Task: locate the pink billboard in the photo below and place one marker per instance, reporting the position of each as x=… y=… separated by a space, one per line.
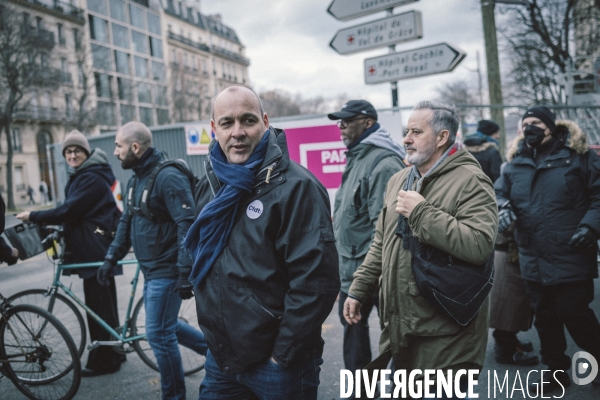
x=320 y=150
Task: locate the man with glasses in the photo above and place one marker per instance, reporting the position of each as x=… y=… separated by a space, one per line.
x=372 y=158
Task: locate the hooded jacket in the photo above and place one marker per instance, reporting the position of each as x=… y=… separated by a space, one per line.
x=458 y=216
x=156 y=243
x=359 y=199
x=551 y=201
x=89 y=205
x=275 y=282
x=486 y=153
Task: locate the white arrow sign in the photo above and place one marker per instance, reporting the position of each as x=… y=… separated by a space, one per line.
x=428 y=60
x=348 y=9
x=383 y=32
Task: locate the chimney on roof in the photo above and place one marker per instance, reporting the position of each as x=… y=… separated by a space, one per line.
x=216 y=17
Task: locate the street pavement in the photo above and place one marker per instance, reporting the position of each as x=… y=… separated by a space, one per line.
x=135 y=380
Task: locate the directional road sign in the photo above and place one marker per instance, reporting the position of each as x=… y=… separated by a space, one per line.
x=383 y=32
x=348 y=9
x=408 y=64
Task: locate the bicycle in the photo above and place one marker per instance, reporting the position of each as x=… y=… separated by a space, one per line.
x=37 y=353
x=131 y=336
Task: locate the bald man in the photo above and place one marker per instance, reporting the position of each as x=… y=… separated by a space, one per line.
x=265 y=269
x=155 y=240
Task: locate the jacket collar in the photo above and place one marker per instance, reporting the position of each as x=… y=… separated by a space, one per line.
x=147 y=162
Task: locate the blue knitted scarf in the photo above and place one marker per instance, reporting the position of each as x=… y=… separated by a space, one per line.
x=209 y=234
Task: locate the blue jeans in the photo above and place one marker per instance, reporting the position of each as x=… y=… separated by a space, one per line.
x=164 y=332
x=266 y=381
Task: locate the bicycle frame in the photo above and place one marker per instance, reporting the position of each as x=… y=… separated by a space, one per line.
x=122 y=337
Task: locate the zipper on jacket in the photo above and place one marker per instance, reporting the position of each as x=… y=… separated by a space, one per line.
x=269 y=171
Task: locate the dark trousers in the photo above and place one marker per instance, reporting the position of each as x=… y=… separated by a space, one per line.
x=560 y=306
x=357 y=343
x=103 y=301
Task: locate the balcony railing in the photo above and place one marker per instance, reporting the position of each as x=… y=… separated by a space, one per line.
x=40 y=38
x=43 y=114
x=189 y=42
x=59 y=7
x=230 y=55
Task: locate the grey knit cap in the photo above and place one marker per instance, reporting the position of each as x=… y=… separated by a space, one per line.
x=76 y=138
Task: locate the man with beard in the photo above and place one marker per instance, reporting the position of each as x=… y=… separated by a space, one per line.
x=448 y=203
x=551 y=189
x=156 y=243
x=265 y=270
x=371 y=160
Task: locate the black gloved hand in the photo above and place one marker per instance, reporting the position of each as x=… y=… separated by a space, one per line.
x=104 y=272
x=583 y=238
x=184 y=287
x=505 y=217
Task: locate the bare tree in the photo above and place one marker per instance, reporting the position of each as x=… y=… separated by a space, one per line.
x=86 y=112
x=279 y=103
x=461 y=94
x=24 y=54
x=538 y=41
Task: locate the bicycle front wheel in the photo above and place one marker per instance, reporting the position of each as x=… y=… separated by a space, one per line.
x=41 y=357
x=191 y=360
x=61 y=307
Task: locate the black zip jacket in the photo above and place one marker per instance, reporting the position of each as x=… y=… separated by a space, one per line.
x=275 y=282
x=156 y=242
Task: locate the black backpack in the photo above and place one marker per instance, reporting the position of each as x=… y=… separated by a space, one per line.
x=143 y=208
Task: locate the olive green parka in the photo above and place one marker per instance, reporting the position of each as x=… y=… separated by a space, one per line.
x=459 y=216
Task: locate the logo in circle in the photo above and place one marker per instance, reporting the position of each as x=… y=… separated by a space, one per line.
x=255 y=209
x=590 y=365
x=193 y=136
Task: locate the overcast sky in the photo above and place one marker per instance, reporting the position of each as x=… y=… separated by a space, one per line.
x=287 y=42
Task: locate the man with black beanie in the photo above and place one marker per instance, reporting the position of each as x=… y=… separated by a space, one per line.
x=551 y=188
x=483 y=145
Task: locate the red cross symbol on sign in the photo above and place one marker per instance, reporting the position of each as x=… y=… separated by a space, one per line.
x=372 y=70
x=350 y=39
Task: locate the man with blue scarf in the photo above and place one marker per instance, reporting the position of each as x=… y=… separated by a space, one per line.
x=265 y=266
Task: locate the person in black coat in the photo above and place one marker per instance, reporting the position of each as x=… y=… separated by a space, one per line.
x=551 y=189
x=483 y=145
x=8 y=254
x=89 y=216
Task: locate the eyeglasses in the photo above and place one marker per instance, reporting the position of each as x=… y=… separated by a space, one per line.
x=77 y=152
x=343 y=123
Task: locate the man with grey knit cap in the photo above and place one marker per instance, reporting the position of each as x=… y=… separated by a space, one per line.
x=371 y=160
x=89 y=216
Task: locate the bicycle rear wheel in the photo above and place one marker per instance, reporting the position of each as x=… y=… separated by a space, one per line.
x=43 y=362
x=191 y=360
x=61 y=307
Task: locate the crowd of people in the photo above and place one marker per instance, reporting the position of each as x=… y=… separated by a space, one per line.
x=254 y=243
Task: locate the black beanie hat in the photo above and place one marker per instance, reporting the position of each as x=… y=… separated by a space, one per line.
x=487 y=127
x=543 y=114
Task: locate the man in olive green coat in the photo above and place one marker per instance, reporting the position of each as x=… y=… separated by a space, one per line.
x=371 y=160
x=451 y=207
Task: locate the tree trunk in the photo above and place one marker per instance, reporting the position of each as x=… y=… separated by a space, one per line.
x=10 y=195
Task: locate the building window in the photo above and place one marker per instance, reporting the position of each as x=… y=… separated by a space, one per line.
x=118 y=10
x=160 y=94
x=127 y=114
x=173 y=57
x=141 y=67
x=103 y=85
x=65 y=76
x=158 y=71
x=98 y=6
x=17 y=141
x=18 y=178
x=137 y=16
x=147 y=116
x=102 y=57
x=125 y=89
x=120 y=36
x=156 y=47
x=98 y=29
x=185 y=60
x=68 y=108
x=80 y=74
x=39 y=23
x=76 y=39
x=26 y=22
x=153 y=23
x=106 y=113
x=144 y=93
x=122 y=62
x=139 y=42
x=61 y=35
x=162 y=116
